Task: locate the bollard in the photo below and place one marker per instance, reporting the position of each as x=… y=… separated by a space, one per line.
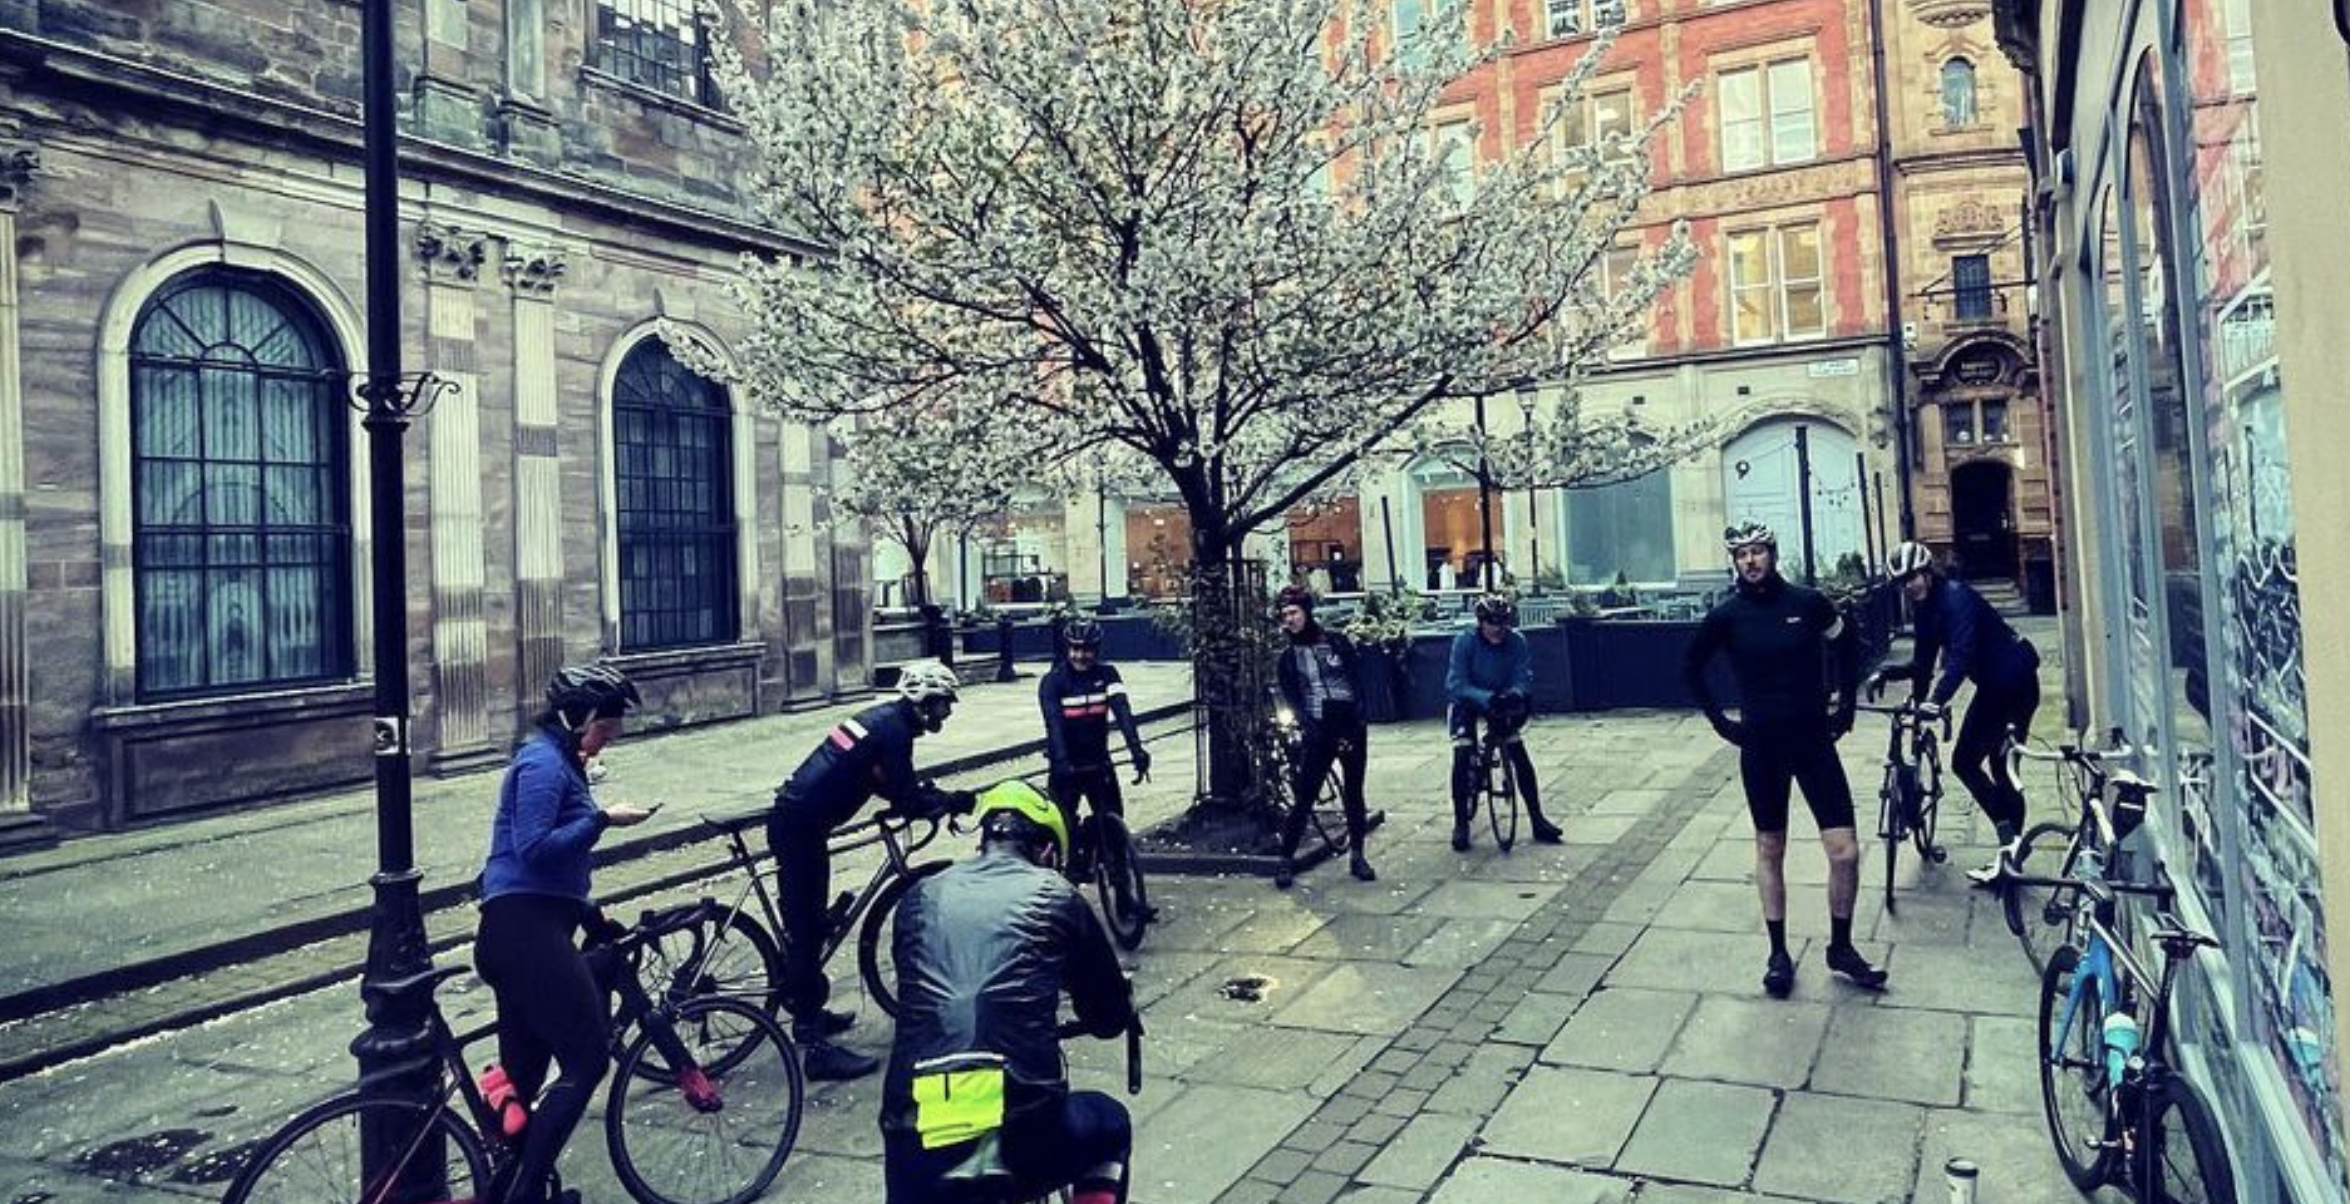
x=1960 y=1174
x=1003 y=652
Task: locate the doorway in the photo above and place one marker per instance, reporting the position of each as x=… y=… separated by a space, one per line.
x=1982 y=520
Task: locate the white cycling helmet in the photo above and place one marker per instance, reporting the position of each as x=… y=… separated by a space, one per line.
x=1906 y=558
x=924 y=680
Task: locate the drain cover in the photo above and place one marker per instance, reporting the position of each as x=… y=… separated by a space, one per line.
x=1247 y=988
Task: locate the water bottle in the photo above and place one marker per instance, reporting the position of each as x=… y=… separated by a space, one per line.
x=498 y=1091
x=2121 y=1044
x=1960 y=1175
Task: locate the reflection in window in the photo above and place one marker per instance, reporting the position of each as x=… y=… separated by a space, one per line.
x=1958 y=424
x=1766 y=115
x=1621 y=531
x=1776 y=285
x=1994 y=422
x=1958 y=93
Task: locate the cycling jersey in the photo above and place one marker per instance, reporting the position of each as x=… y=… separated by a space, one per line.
x=869 y=753
x=1079 y=706
x=1777 y=635
x=1955 y=624
x=1318 y=669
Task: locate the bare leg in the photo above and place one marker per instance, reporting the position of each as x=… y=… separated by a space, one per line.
x=1843 y=848
x=1770 y=875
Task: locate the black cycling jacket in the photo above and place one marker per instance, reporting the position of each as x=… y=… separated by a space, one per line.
x=869 y=753
x=1079 y=706
x=984 y=952
x=1955 y=625
x=1779 y=637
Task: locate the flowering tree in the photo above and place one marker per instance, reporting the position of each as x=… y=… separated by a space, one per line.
x=918 y=473
x=1227 y=240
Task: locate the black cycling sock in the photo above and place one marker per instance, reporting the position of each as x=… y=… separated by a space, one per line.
x=1840 y=931
x=1778 y=937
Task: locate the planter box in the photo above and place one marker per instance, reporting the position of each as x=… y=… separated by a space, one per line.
x=1635 y=663
x=1383 y=684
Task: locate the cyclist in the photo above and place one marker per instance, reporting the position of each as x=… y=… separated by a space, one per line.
x=869 y=753
x=1491 y=677
x=1778 y=636
x=1080 y=698
x=985 y=950
x=534 y=901
x=1322 y=689
x=1954 y=624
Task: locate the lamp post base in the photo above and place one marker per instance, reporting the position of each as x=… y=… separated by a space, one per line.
x=395 y=1052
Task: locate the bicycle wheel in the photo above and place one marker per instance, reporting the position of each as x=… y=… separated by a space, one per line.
x=2181 y=1157
x=1926 y=813
x=875 y=937
x=1501 y=806
x=1892 y=827
x=2041 y=917
x=1117 y=879
x=726 y=1147
x=316 y=1158
x=1331 y=803
x=735 y=958
x=2073 y=1089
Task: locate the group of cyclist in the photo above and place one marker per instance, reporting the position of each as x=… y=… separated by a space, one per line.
x=985 y=949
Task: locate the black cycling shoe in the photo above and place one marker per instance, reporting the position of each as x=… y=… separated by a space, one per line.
x=833 y=1024
x=1546 y=832
x=1779 y=976
x=1460 y=836
x=1360 y=867
x=826 y=1062
x=1847 y=961
x=1287 y=874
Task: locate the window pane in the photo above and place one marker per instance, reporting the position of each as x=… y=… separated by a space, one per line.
x=1994 y=422
x=1799 y=266
x=1621 y=531
x=1958 y=92
x=1611 y=114
x=1565 y=17
x=1752 y=315
x=1742 y=119
x=657 y=44
x=1793 y=138
x=1970 y=280
x=1958 y=424
x=674 y=483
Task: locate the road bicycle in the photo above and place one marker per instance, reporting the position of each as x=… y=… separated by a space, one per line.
x=1326 y=811
x=1495 y=777
x=1909 y=799
x=703 y=1108
x=2088 y=846
x=736 y=955
x=1102 y=851
x=2119 y=1112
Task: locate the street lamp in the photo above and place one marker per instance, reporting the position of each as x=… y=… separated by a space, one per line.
x=396 y=986
x=1484 y=499
x=1525 y=388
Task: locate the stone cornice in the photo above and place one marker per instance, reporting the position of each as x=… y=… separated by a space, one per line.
x=108 y=82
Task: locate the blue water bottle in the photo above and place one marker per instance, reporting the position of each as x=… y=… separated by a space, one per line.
x=2121 y=1043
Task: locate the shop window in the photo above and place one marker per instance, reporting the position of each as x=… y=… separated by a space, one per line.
x=240 y=515
x=1158 y=551
x=657 y=44
x=673 y=477
x=1622 y=531
x=1958 y=93
x=1970 y=282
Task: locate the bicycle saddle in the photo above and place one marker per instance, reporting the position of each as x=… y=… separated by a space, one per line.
x=2178 y=940
x=981 y=1175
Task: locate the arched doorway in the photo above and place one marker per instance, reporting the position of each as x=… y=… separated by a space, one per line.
x=1982 y=520
x=1762 y=482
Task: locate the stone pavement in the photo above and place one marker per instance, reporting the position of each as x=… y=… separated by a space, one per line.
x=1579 y=1023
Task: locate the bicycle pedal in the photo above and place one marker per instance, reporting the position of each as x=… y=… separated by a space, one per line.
x=1937 y=854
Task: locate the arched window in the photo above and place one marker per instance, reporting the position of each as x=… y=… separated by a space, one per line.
x=1450 y=526
x=240 y=536
x=1958 y=93
x=1621 y=530
x=674 y=481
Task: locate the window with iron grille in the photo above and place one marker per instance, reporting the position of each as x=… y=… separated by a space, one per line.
x=673 y=473
x=240 y=516
x=1970 y=280
x=658 y=44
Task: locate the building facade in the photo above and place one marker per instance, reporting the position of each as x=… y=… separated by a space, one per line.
x=184 y=530
x=1981 y=489
x=2190 y=158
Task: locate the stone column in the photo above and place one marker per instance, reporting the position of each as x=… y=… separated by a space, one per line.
x=17 y=162
x=531 y=274
x=807 y=611
x=525 y=127
x=451 y=261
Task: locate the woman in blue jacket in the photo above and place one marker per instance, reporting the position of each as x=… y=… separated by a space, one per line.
x=1491 y=677
x=534 y=900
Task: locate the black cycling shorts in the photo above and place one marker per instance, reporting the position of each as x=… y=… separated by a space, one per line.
x=1773 y=760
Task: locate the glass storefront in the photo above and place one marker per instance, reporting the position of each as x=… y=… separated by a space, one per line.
x=1452 y=534
x=1024 y=556
x=1158 y=550
x=1326 y=545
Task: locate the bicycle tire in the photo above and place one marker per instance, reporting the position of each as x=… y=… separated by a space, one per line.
x=1332 y=801
x=1114 y=865
x=1929 y=814
x=759 y=1080
x=2035 y=917
x=1890 y=828
x=1500 y=802
x=2072 y=1073
x=874 y=935
x=285 y=1168
x=2182 y=1125
x=742 y=962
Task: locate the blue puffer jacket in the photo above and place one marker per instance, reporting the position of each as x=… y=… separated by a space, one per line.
x=1480 y=670
x=547 y=823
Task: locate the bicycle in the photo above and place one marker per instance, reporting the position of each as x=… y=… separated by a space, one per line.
x=2118 y=1112
x=1326 y=811
x=703 y=1108
x=1102 y=849
x=1909 y=800
x=2089 y=846
x=736 y=954
x=1496 y=777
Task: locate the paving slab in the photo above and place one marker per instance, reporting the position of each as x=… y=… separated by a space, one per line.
x=1366 y=937
x=1574 y=1116
x=1204 y=1139
x=1367 y=998
x=1721 y=963
x=1850 y=1151
x=1627 y=1029
x=1489 y=1180
x=1284 y=1059
x=1607 y=938
x=1481 y=1083
x=1769 y=1042
x=1537 y=1018
x=1955 y=978
x=1461 y=943
x=1485 y=900
x=1576 y=974
x=2003 y=1065
x=1698 y=1132
x=1894 y=1054
x=1422 y=1152
x=2012 y=1154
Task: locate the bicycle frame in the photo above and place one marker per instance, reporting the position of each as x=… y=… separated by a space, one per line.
x=886 y=829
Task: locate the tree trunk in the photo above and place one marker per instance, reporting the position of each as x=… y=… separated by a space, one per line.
x=917 y=545
x=1230 y=667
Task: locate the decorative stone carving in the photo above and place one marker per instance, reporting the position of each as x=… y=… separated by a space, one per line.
x=450 y=255
x=1970 y=216
x=1950 y=14
x=534 y=270
x=19 y=163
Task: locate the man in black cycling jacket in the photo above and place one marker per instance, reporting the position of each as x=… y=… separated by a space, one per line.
x=984 y=951
x=1080 y=697
x=869 y=753
x=1779 y=637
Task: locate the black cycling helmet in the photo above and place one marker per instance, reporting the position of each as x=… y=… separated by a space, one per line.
x=580 y=693
x=1081 y=632
x=1294 y=595
x=1497 y=608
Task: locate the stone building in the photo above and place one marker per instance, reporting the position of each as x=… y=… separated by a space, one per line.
x=1982 y=491
x=184 y=535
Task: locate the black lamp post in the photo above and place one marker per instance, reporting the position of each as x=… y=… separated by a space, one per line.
x=1484 y=499
x=396 y=987
x=1526 y=388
